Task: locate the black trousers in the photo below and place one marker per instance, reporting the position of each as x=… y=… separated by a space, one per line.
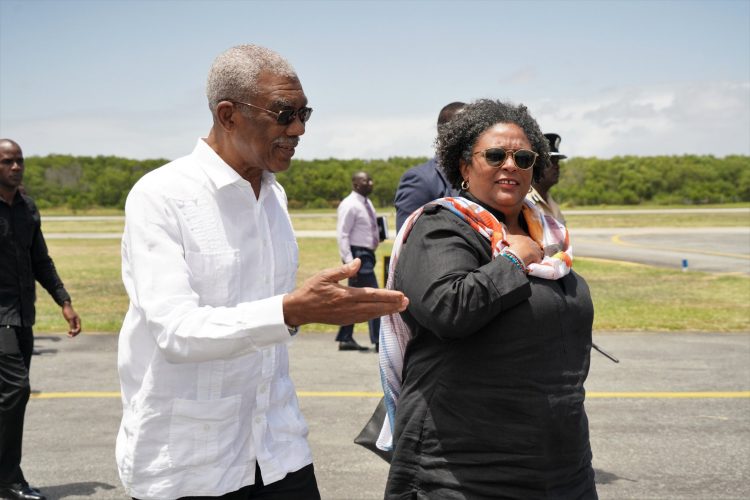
x=16 y=347
x=298 y=485
x=365 y=278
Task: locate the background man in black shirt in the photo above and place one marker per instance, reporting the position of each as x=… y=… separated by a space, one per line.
x=23 y=260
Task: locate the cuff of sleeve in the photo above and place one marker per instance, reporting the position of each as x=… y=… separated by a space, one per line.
x=267 y=316
x=512 y=284
x=61 y=296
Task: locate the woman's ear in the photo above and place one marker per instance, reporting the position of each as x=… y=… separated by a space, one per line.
x=463 y=167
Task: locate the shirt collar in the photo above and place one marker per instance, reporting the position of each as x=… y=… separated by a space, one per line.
x=219 y=171
x=17 y=198
x=535 y=196
x=361 y=198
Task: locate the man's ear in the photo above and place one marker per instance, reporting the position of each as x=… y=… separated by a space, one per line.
x=225 y=115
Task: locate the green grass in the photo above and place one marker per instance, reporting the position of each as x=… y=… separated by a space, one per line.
x=91 y=226
x=90 y=270
x=327 y=220
x=626 y=297
x=646 y=298
x=581 y=221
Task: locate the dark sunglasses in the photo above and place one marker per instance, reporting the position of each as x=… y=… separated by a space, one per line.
x=285 y=116
x=523 y=158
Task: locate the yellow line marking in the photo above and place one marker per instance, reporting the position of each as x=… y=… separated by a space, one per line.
x=362 y=394
x=670 y=395
x=74 y=395
x=338 y=394
x=617 y=239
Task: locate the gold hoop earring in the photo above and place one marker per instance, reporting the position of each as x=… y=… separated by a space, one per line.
x=465 y=185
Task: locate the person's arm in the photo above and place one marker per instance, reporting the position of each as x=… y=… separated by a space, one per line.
x=164 y=288
x=412 y=193
x=158 y=280
x=322 y=299
x=453 y=290
x=71 y=316
x=45 y=273
x=345 y=220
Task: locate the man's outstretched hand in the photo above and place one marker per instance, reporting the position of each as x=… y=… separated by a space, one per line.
x=322 y=299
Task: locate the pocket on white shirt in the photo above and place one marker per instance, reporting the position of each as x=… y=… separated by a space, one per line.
x=215 y=276
x=203 y=432
x=286 y=269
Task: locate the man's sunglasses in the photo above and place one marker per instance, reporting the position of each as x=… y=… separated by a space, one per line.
x=285 y=116
x=523 y=158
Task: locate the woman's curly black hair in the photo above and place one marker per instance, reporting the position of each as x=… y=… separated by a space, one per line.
x=456 y=139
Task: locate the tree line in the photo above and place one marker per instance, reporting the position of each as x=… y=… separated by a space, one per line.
x=80 y=182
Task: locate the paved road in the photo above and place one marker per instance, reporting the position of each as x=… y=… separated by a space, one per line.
x=715 y=250
x=671 y=421
x=707 y=249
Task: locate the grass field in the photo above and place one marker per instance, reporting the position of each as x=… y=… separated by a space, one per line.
x=627 y=297
x=326 y=220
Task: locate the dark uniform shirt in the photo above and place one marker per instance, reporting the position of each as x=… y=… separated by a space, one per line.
x=24 y=259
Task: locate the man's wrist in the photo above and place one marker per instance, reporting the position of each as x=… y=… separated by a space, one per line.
x=286 y=306
x=293 y=330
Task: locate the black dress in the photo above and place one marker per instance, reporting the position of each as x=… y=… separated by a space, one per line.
x=492 y=404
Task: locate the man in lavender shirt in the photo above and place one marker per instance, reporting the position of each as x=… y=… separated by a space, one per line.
x=358 y=237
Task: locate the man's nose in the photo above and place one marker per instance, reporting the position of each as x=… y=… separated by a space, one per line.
x=296 y=128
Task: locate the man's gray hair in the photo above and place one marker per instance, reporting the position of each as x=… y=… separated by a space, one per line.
x=234 y=73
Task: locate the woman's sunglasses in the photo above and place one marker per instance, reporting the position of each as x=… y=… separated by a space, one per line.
x=495 y=157
x=285 y=116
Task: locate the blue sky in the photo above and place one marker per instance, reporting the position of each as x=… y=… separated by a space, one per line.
x=612 y=77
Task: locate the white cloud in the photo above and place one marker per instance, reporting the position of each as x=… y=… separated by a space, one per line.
x=697 y=118
x=356 y=137
x=140 y=135
x=521 y=76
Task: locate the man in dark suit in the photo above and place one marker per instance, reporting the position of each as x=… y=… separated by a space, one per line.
x=425 y=182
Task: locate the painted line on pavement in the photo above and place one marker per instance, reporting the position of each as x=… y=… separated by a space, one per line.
x=359 y=394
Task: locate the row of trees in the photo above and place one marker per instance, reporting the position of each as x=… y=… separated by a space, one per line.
x=630 y=180
x=83 y=181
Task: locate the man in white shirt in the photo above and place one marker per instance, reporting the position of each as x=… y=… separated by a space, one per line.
x=209 y=261
x=539 y=192
x=358 y=237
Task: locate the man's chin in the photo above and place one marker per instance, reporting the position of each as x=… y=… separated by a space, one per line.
x=279 y=166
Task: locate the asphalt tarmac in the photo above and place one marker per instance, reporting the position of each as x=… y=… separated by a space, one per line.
x=670 y=421
x=705 y=249
x=708 y=249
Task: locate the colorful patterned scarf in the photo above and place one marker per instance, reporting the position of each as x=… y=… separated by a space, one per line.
x=550 y=234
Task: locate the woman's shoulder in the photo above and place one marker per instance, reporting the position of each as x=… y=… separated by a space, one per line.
x=438 y=222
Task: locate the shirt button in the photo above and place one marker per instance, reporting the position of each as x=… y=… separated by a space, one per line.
x=206 y=427
x=258 y=420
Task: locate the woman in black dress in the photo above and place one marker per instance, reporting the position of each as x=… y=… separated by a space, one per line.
x=492 y=400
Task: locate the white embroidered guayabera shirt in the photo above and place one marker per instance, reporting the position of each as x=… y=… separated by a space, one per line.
x=202 y=356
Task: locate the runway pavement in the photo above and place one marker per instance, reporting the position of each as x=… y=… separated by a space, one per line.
x=671 y=421
x=706 y=249
x=709 y=249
